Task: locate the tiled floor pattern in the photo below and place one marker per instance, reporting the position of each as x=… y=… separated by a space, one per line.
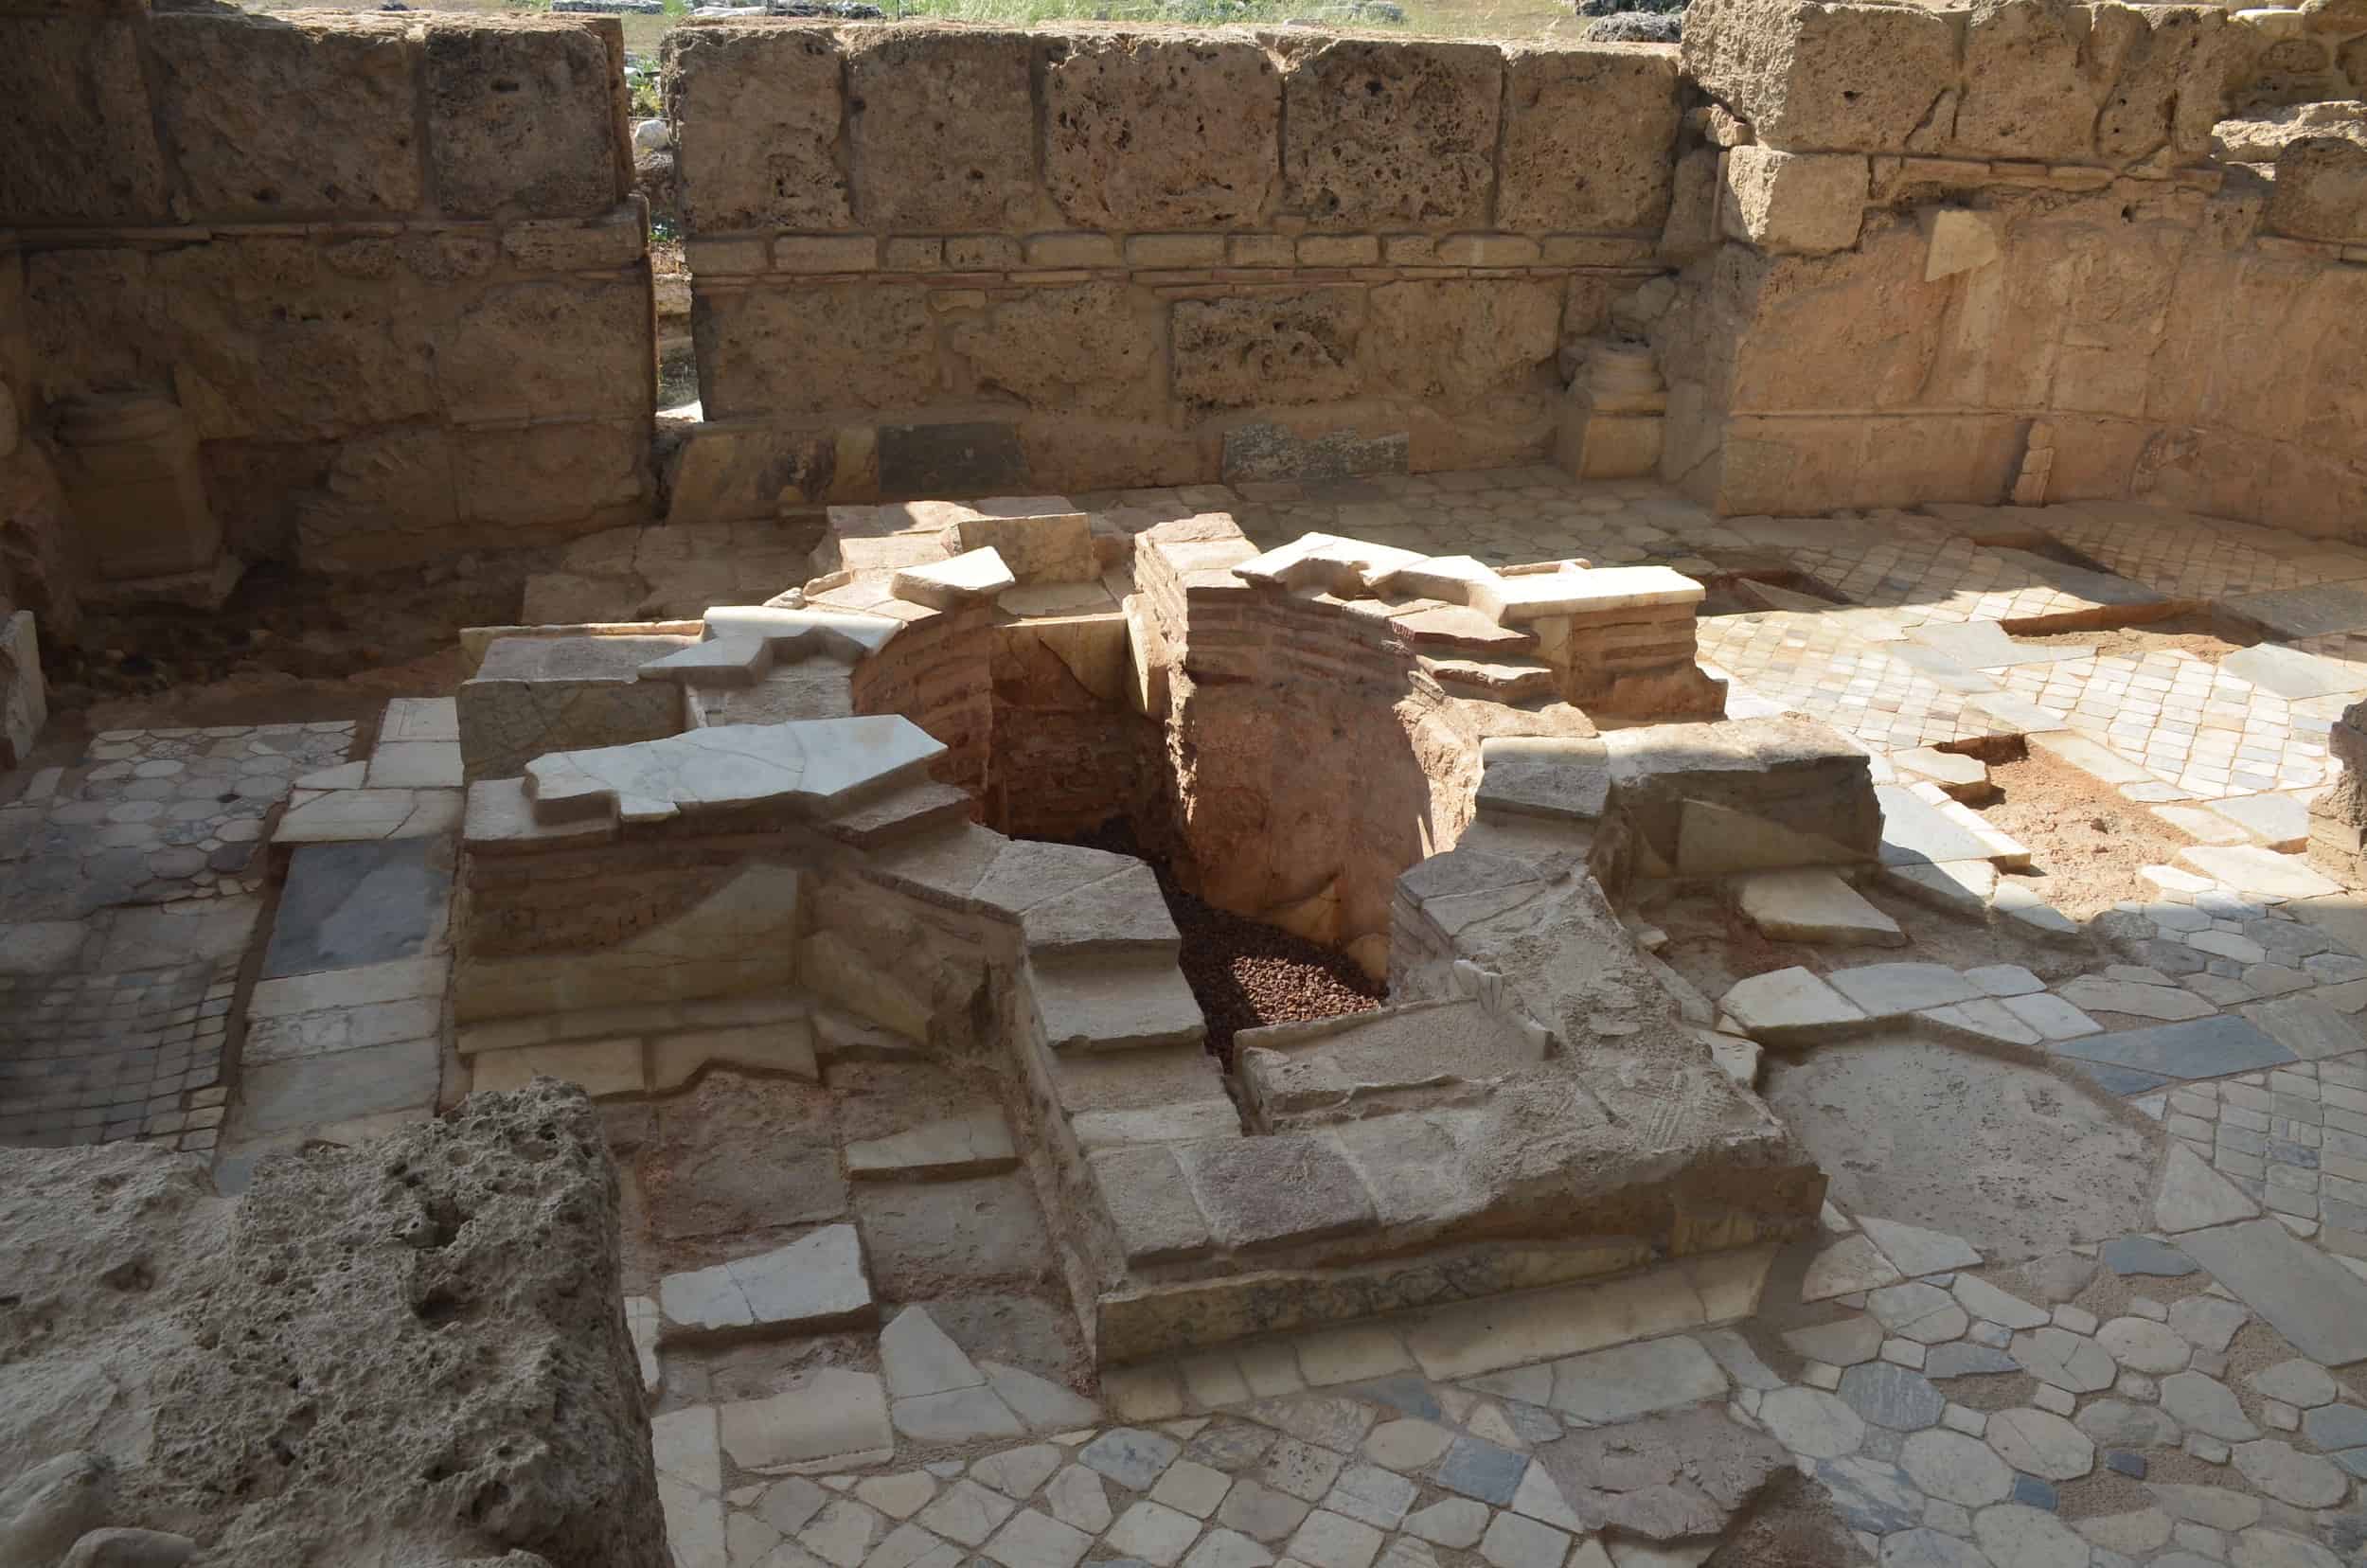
x=2185 y=722
x=1803 y=662
x=2295 y=1139
x=2196 y=558
x=95 y=1058
x=155 y=815
x=1922 y=575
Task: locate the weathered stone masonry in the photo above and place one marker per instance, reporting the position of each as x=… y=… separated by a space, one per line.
x=389 y=266
x=939 y=261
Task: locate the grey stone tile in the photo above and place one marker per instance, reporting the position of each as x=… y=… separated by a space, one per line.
x=2201 y=1048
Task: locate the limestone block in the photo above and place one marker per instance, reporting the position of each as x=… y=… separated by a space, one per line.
x=1590 y=138
x=1044 y=539
x=485 y=1295
x=2321 y=190
x=533 y=695
x=944 y=129
x=1298 y=347
x=1960 y=239
x=388 y=501
x=1093 y=348
x=1286 y=1187
x=2169 y=93
x=556 y=480
x=1861 y=77
x=1377 y=132
x=24 y=698
x=271 y=335
x=814 y=1283
x=547 y=350
x=521 y=118
x=1692 y=227
x=81 y=144
x=2035 y=74
x=1462 y=339
x=968 y=579
x=128 y=465
x=755 y=113
x=1805 y=204
x=1156 y=131
x=233 y=86
x=758 y=347
x=735 y=940
x=1143 y=1189
x=619 y=237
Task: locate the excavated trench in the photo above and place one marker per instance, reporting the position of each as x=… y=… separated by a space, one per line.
x=1244 y=973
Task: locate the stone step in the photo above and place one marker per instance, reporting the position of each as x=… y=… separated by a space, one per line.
x=899 y=813
x=1123 y=913
x=814 y=1283
x=1813 y=905
x=814 y=687
x=1455 y=628
x=977 y=1144
x=739 y=660
x=1335 y=1069
x=1495 y=680
x=1104 y=1001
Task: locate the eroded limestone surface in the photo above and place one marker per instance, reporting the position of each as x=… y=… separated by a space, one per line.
x=368 y=1354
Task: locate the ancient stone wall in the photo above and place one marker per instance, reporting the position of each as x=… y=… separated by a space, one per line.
x=388 y=264
x=935 y=262
x=2009 y=252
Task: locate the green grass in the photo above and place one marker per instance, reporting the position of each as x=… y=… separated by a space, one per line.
x=1429 y=18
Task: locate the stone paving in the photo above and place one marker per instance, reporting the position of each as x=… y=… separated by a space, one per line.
x=155 y=815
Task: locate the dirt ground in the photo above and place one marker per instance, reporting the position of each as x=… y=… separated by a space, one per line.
x=2180 y=634
x=2086 y=843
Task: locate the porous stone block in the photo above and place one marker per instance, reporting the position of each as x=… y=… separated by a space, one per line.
x=1377 y=132
x=521 y=118
x=228 y=80
x=1090 y=347
x=1805 y=204
x=1859 y=78
x=2034 y=71
x=446 y=1306
x=1460 y=339
x=2170 y=88
x=757 y=348
x=387 y=501
x=549 y=348
x=2320 y=189
x=81 y=144
x=544 y=483
x=1298 y=347
x=943 y=128
x=755 y=113
x=1589 y=136
x=1155 y=130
